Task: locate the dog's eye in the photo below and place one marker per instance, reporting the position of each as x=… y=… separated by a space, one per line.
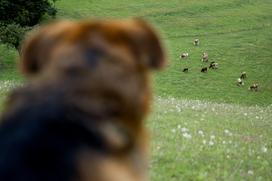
x=93 y=55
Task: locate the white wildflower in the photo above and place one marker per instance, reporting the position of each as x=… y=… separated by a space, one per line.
x=187 y=135
x=184 y=129
x=178 y=108
x=212 y=137
x=264 y=149
x=226 y=131
x=250 y=172
x=211 y=143
x=201 y=132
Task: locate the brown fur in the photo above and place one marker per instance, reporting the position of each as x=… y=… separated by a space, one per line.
x=114 y=79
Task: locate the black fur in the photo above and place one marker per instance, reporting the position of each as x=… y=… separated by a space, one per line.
x=39 y=141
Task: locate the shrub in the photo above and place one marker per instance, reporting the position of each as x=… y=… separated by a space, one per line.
x=25 y=12
x=18 y=16
x=12 y=34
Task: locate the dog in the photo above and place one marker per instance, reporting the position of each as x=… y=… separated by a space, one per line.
x=204 y=70
x=243 y=75
x=185 y=70
x=80 y=116
x=254 y=87
x=184 y=55
x=205 y=57
x=196 y=42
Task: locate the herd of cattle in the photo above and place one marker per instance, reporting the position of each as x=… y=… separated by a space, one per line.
x=214 y=65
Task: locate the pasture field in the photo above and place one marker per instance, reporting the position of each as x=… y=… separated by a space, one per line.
x=199 y=140
x=204 y=127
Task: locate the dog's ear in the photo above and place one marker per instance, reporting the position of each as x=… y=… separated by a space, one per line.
x=150 y=46
x=37 y=47
x=30 y=54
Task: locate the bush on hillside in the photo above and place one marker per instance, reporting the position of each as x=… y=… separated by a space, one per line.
x=18 y=16
x=25 y=12
x=12 y=34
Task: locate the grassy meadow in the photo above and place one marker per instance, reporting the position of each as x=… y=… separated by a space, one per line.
x=204 y=127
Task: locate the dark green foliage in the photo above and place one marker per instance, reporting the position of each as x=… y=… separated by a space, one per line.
x=18 y=16
x=12 y=34
x=25 y=12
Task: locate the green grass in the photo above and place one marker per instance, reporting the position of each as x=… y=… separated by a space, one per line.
x=9 y=58
x=238 y=35
x=198 y=140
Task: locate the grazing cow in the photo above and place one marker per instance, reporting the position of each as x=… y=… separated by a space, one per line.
x=213 y=65
x=196 y=42
x=240 y=82
x=243 y=75
x=205 y=57
x=254 y=87
x=185 y=70
x=184 y=55
x=204 y=69
x=80 y=116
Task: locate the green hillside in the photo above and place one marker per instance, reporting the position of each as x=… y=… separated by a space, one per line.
x=236 y=34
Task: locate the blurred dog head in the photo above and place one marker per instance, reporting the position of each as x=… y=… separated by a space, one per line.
x=106 y=59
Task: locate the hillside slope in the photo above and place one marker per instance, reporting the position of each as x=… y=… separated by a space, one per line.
x=236 y=34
